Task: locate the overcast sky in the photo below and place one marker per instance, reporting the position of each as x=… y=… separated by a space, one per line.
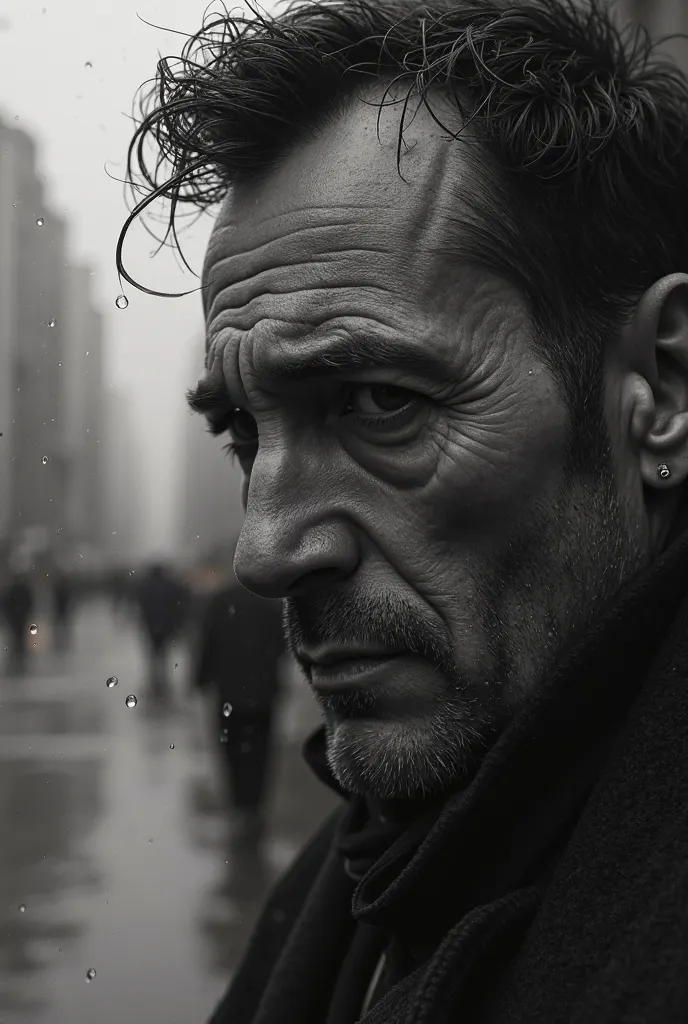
x=79 y=116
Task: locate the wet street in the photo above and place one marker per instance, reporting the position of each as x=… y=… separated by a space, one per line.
x=114 y=854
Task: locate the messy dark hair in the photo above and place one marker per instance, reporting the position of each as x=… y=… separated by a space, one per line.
x=581 y=128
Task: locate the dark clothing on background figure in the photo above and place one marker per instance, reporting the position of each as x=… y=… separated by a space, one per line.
x=16 y=607
x=240 y=644
x=62 y=606
x=163 y=605
x=553 y=888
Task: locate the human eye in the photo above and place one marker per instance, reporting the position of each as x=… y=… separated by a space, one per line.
x=243 y=433
x=382 y=406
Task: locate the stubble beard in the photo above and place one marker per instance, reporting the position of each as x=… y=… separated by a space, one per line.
x=536 y=597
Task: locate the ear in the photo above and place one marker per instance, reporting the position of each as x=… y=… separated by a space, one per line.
x=658 y=341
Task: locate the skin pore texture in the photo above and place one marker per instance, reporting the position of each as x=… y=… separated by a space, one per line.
x=421 y=507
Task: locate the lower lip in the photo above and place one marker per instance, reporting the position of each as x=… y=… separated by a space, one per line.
x=349 y=673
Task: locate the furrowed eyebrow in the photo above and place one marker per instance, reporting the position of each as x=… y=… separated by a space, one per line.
x=358 y=352
x=211 y=399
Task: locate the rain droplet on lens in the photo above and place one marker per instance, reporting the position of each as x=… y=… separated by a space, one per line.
x=51 y=322
x=33 y=629
x=224 y=738
x=226 y=710
x=112 y=681
x=131 y=701
x=22 y=908
x=40 y=221
x=45 y=460
x=121 y=302
x=88 y=64
x=90 y=974
x=171 y=746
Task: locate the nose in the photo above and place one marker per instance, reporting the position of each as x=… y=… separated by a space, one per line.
x=293 y=537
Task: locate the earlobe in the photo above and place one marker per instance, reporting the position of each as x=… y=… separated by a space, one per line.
x=660 y=418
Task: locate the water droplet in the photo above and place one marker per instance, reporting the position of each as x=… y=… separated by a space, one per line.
x=22 y=908
x=40 y=221
x=171 y=746
x=176 y=664
x=44 y=460
x=51 y=322
x=112 y=681
x=14 y=205
x=33 y=629
x=16 y=117
x=131 y=701
x=224 y=738
x=88 y=64
x=90 y=974
x=121 y=302
x=226 y=710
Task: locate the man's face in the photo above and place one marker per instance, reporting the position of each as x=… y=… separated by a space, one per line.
x=403 y=447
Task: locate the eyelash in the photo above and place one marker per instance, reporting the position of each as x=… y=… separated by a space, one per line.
x=233 y=449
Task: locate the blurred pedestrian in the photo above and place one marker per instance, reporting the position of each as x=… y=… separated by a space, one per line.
x=62 y=595
x=16 y=605
x=240 y=643
x=163 y=603
x=120 y=590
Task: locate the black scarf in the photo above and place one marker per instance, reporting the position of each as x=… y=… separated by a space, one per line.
x=397 y=853
x=463 y=882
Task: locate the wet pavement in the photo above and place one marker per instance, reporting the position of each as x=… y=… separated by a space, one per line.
x=114 y=847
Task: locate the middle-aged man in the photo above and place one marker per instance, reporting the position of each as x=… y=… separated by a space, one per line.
x=447 y=333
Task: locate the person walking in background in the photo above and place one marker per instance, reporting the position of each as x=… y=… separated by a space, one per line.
x=16 y=606
x=163 y=603
x=239 y=645
x=62 y=596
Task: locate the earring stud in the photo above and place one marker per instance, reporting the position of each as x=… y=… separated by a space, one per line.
x=663 y=471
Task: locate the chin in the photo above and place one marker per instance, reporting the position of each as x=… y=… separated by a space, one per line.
x=402 y=759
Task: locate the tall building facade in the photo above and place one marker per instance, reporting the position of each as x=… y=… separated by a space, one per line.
x=50 y=371
x=124 y=485
x=8 y=334
x=81 y=394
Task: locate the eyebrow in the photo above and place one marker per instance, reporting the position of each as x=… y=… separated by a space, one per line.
x=211 y=399
x=353 y=352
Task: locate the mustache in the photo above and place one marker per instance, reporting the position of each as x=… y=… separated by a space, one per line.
x=349 y=619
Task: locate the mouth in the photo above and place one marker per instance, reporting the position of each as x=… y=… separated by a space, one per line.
x=339 y=670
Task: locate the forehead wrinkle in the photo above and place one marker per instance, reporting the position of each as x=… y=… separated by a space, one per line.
x=345 y=268
x=270 y=229
x=244 y=282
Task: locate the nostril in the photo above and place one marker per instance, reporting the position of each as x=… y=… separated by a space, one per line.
x=314 y=579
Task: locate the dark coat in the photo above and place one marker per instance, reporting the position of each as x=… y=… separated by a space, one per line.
x=240 y=643
x=163 y=602
x=552 y=890
x=16 y=604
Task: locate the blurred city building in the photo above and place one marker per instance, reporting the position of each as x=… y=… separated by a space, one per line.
x=51 y=342
x=210 y=484
x=124 y=488
x=661 y=18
